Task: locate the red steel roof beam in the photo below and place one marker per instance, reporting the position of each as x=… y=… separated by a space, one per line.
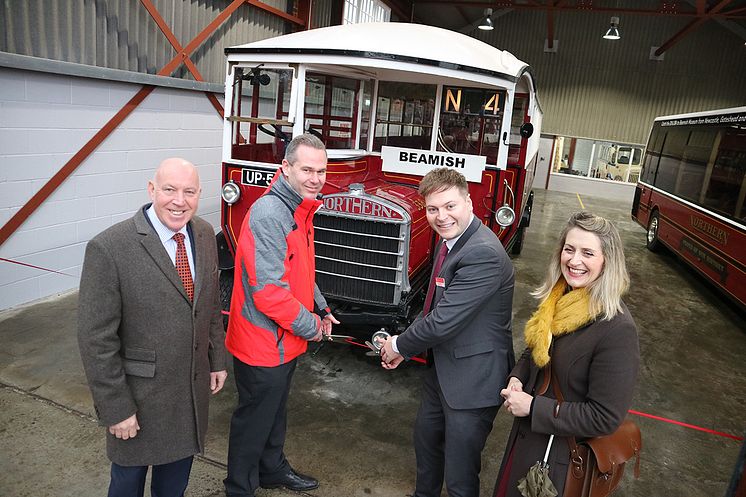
x=550 y=24
x=153 y=11
x=560 y=7
x=288 y=17
x=396 y=8
x=691 y=27
x=304 y=12
x=701 y=6
x=55 y=181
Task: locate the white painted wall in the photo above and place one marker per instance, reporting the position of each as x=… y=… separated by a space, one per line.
x=44 y=120
x=614 y=191
x=545 y=162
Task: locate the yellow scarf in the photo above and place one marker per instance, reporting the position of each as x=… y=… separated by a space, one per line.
x=561 y=313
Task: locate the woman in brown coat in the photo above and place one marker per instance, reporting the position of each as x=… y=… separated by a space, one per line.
x=587 y=330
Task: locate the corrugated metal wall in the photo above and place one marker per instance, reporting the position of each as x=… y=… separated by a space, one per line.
x=589 y=88
x=121 y=34
x=322 y=12
x=611 y=90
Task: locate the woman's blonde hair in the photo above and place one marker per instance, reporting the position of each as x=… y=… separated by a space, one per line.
x=613 y=282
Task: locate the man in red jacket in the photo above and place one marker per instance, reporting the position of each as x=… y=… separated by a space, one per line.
x=276 y=308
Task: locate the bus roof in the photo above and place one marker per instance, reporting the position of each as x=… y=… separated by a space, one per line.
x=716 y=112
x=404 y=42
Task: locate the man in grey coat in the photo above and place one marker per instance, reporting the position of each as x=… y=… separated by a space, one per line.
x=151 y=335
x=465 y=330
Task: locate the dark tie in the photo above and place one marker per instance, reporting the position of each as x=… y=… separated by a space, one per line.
x=182 y=265
x=436 y=269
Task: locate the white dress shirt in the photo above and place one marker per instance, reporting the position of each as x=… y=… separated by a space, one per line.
x=167 y=238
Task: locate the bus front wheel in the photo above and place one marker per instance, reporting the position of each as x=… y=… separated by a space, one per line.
x=652 y=241
x=226 y=289
x=518 y=243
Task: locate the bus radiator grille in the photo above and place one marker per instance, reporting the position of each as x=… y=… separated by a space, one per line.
x=360 y=260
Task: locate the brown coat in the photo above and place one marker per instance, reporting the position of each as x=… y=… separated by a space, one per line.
x=146 y=349
x=597 y=369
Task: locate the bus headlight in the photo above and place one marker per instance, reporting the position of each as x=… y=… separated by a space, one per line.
x=505 y=216
x=230 y=193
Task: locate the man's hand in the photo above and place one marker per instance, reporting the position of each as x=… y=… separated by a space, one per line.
x=217 y=380
x=125 y=429
x=326 y=323
x=325 y=328
x=389 y=358
x=394 y=362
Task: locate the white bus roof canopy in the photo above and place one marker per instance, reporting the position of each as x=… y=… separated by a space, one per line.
x=403 y=42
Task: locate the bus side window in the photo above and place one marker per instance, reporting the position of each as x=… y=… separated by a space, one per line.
x=726 y=189
x=259 y=113
x=653 y=155
x=670 y=158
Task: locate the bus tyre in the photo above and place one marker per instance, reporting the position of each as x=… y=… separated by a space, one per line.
x=652 y=241
x=226 y=289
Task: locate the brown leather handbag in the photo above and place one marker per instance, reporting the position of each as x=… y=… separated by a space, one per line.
x=597 y=464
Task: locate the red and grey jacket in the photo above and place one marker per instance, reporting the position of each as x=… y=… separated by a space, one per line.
x=274 y=293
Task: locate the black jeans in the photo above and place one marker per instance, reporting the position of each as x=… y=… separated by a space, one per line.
x=258 y=426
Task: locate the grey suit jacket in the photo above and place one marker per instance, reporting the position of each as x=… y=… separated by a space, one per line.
x=147 y=349
x=469 y=326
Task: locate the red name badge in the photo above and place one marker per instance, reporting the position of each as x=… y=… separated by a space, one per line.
x=440 y=282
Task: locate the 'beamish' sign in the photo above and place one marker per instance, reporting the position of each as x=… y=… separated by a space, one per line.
x=421 y=162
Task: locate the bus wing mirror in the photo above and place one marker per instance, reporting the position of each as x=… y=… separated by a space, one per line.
x=527 y=129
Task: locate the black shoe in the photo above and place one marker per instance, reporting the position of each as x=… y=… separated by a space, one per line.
x=292 y=481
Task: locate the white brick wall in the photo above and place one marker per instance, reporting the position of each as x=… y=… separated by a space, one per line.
x=44 y=120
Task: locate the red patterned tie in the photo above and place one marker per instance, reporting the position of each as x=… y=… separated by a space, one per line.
x=431 y=289
x=182 y=265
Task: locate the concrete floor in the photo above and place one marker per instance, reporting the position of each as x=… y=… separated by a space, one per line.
x=350 y=421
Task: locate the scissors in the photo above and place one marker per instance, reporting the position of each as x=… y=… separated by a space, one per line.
x=376 y=342
x=336 y=338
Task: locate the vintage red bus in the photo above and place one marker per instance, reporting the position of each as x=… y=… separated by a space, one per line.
x=391 y=101
x=691 y=191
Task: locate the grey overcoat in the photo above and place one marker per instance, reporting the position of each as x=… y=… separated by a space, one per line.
x=146 y=348
x=597 y=369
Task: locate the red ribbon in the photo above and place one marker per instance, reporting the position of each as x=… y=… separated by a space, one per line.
x=686 y=425
x=36 y=267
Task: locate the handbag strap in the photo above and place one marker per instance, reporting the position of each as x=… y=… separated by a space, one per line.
x=575 y=458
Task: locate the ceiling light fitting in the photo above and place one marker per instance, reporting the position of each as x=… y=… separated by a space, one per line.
x=486 y=24
x=613 y=32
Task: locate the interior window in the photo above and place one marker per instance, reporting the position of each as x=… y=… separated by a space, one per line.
x=331 y=107
x=404 y=116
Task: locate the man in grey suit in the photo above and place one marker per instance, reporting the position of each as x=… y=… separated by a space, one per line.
x=151 y=334
x=465 y=329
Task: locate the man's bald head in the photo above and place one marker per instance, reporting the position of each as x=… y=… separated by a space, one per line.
x=175 y=191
